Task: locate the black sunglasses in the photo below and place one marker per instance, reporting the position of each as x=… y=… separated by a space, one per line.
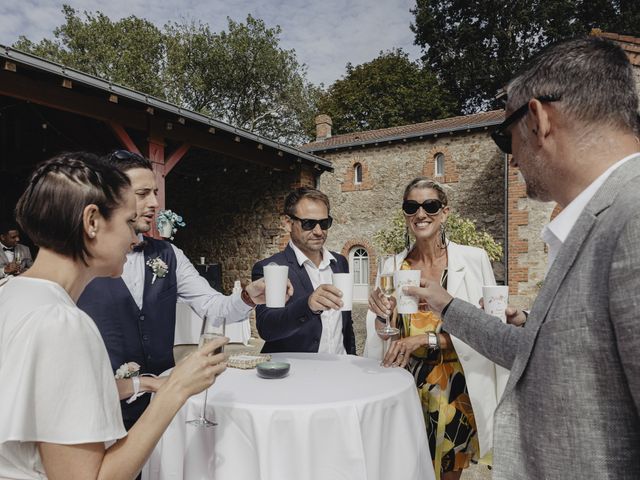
x=502 y=137
x=431 y=206
x=124 y=155
x=308 y=224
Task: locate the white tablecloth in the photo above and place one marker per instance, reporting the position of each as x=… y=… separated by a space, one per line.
x=332 y=418
x=189 y=325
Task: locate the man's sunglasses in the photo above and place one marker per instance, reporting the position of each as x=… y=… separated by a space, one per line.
x=124 y=155
x=308 y=224
x=502 y=137
x=431 y=206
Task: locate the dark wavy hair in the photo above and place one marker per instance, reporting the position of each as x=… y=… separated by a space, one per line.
x=50 y=211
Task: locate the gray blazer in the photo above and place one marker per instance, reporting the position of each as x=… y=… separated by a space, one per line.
x=571 y=406
x=26 y=260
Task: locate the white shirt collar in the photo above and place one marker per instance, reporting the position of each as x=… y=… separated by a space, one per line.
x=327 y=257
x=561 y=226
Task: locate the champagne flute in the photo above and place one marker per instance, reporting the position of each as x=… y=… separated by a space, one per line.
x=210 y=331
x=386 y=274
x=17 y=258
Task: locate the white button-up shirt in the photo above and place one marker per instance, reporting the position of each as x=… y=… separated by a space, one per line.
x=193 y=289
x=555 y=233
x=10 y=254
x=331 y=340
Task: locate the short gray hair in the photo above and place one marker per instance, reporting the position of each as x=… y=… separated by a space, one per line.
x=592 y=77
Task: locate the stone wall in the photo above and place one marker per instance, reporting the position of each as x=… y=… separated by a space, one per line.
x=232 y=212
x=474 y=175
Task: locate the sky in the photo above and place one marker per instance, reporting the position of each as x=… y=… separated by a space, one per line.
x=326 y=34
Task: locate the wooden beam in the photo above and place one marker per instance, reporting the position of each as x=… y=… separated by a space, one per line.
x=156 y=155
x=98 y=107
x=223 y=144
x=73 y=101
x=175 y=157
x=124 y=137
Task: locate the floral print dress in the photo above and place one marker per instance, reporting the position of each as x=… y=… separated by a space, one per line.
x=451 y=426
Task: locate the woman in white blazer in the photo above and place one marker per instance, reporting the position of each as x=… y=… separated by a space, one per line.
x=449 y=374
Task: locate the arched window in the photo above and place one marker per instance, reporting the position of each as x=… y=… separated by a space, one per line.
x=357 y=173
x=439 y=161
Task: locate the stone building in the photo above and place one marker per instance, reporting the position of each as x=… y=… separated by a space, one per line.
x=372 y=167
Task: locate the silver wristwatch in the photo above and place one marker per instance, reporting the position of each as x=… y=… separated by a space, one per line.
x=432 y=341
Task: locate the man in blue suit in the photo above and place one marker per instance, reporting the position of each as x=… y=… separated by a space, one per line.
x=311 y=320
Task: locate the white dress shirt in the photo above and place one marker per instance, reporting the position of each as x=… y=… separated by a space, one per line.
x=193 y=289
x=10 y=254
x=555 y=233
x=331 y=340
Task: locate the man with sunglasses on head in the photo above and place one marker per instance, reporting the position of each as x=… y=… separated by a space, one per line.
x=571 y=408
x=136 y=313
x=311 y=320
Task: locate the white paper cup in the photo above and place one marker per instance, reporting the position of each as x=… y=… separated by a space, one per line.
x=275 y=278
x=496 y=298
x=344 y=283
x=407 y=278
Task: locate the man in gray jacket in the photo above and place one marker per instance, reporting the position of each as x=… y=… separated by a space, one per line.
x=571 y=407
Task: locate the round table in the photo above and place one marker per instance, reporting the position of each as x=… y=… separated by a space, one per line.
x=333 y=417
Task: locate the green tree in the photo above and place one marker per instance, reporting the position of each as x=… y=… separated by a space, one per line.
x=240 y=76
x=388 y=91
x=460 y=230
x=476 y=46
x=129 y=52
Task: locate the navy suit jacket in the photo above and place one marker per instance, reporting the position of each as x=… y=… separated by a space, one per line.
x=295 y=328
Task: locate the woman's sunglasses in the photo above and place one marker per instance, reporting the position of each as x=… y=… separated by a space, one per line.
x=308 y=224
x=431 y=206
x=124 y=155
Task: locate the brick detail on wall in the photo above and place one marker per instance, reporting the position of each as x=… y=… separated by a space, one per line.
x=556 y=210
x=306 y=177
x=517 y=246
x=373 y=258
x=349 y=184
x=450 y=170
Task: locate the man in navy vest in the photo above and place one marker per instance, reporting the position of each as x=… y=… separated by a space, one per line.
x=311 y=320
x=136 y=313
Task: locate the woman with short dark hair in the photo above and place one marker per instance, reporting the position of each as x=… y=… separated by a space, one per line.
x=58 y=402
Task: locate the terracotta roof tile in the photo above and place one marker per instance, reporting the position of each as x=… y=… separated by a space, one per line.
x=446 y=125
x=631 y=45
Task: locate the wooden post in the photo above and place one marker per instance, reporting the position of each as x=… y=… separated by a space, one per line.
x=156 y=156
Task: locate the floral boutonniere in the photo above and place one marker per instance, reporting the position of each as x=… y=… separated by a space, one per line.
x=158 y=267
x=128 y=370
